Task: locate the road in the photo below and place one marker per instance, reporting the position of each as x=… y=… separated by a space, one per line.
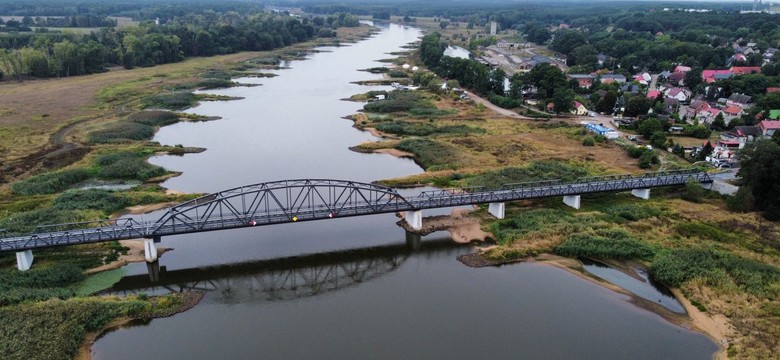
x=494 y=107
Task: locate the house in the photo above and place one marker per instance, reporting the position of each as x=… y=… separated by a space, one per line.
x=579 y=109
x=664 y=74
x=601 y=93
x=610 y=78
x=653 y=94
x=710 y=76
x=584 y=80
x=695 y=108
x=671 y=104
x=741 y=134
x=737 y=58
x=770 y=90
x=768 y=127
x=682 y=69
x=677 y=93
x=745 y=70
x=733 y=110
x=707 y=115
x=741 y=100
x=769 y=54
x=677 y=78
x=643 y=78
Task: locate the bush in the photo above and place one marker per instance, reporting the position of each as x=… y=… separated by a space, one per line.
x=428 y=152
x=95 y=199
x=121 y=131
x=127 y=165
x=399 y=101
x=215 y=84
x=26 y=221
x=589 y=141
x=154 y=118
x=173 y=101
x=536 y=171
x=504 y=102
x=423 y=129
x=50 y=183
x=397 y=74
x=632 y=212
x=674 y=268
x=605 y=244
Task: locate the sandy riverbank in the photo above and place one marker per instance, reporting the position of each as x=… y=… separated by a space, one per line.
x=715 y=327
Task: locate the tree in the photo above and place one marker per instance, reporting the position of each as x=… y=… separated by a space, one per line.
x=760 y=169
x=719 y=123
x=562 y=99
x=536 y=32
x=649 y=127
x=606 y=105
x=693 y=78
x=658 y=139
x=637 y=105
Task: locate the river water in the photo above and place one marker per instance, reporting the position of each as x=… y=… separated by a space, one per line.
x=355 y=287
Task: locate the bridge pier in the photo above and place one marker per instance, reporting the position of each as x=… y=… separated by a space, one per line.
x=572 y=200
x=413 y=240
x=641 y=193
x=154 y=271
x=24 y=260
x=497 y=209
x=414 y=219
x=150 y=250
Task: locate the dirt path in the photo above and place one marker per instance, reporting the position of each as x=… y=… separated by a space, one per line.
x=495 y=108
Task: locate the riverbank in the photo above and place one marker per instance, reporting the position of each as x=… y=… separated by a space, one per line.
x=186 y=301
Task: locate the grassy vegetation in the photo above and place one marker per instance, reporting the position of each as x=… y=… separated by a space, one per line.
x=127 y=165
x=424 y=129
x=536 y=171
x=50 y=183
x=398 y=101
x=430 y=154
x=604 y=244
x=59 y=326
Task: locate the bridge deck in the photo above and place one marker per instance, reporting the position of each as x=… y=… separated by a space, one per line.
x=306 y=200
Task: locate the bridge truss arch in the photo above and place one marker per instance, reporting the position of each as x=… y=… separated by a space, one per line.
x=279 y=202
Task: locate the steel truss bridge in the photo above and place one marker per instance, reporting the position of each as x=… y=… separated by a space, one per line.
x=290 y=201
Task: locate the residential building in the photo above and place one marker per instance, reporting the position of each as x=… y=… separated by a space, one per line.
x=741 y=100
x=768 y=127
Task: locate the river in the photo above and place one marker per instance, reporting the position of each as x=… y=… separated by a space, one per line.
x=351 y=288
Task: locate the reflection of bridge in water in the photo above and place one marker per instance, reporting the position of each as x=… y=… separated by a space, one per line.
x=283 y=278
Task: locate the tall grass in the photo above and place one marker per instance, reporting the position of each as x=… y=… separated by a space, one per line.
x=50 y=183
x=429 y=153
x=537 y=170
x=604 y=244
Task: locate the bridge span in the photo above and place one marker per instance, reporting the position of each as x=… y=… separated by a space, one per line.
x=319 y=199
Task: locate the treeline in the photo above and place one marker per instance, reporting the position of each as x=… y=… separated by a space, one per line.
x=44 y=54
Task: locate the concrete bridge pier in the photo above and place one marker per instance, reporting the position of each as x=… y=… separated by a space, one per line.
x=497 y=209
x=641 y=193
x=414 y=219
x=24 y=260
x=572 y=200
x=150 y=250
x=413 y=241
x=154 y=271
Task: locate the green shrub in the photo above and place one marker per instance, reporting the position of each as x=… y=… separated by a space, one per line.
x=127 y=165
x=399 y=101
x=536 y=171
x=719 y=269
x=704 y=231
x=632 y=212
x=507 y=230
x=55 y=329
x=215 y=84
x=173 y=101
x=50 y=183
x=26 y=221
x=397 y=74
x=428 y=153
x=605 y=244
x=95 y=199
x=121 y=131
x=154 y=118
x=589 y=141
x=504 y=102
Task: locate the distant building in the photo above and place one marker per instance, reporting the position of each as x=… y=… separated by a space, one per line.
x=493 y=28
